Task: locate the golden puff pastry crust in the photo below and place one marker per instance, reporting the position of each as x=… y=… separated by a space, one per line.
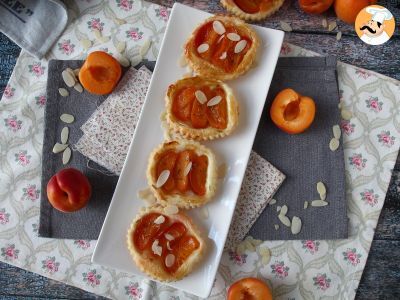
x=207 y=69
x=150 y=264
x=174 y=125
x=232 y=7
x=189 y=199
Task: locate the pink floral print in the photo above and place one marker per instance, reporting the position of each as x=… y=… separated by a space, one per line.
x=49 y=265
x=322 y=282
x=4 y=217
x=30 y=192
x=369 y=197
x=363 y=73
x=374 y=104
x=133 y=291
x=9 y=252
x=82 y=244
x=125 y=4
x=280 y=270
x=285 y=49
x=237 y=259
x=347 y=127
x=66 y=47
x=8 y=91
x=134 y=34
x=162 y=13
x=12 y=123
x=310 y=246
x=351 y=256
x=91 y=278
x=40 y=100
x=386 y=139
x=95 y=24
x=36 y=69
x=357 y=161
x=23 y=158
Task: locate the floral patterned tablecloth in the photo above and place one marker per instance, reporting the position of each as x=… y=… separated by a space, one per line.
x=297 y=270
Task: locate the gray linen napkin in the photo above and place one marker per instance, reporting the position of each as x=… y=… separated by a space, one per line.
x=34 y=25
x=306 y=158
x=85 y=223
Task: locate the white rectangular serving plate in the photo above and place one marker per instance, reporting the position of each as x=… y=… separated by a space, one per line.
x=251 y=91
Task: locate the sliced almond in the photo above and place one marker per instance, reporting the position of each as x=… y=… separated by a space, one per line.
x=68 y=78
x=145 y=193
x=240 y=46
x=145 y=47
x=59 y=147
x=119 y=21
x=169 y=237
x=285 y=220
x=286 y=26
x=256 y=242
x=263 y=250
x=276 y=226
x=162 y=179
x=336 y=131
x=305 y=205
x=250 y=246
x=76 y=72
x=223 y=55
x=203 y=48
x=121 y=46
x=123 y=61
x=78 y=87
x=324 y=23
x=346 y=114
x=187 y=75
x=67 y=118
x=200 y=96
x=332 y=25
x=284 y=210
x=218 y=27
x=86 y=44
x=265 y=260
x=233 y=36
x=188 y=168
x=334 y=144
x=66 y=155
x=240 y=249
x=169 y=260
x=168 y=246
x=137 y=59
x=296 y=225
x=64 y=135
x=171 y=210
x=214 y=101
x=157 y=250
x=97 y=33
x=278 y=208
x=340 y=105
x=321 y=189
x=272 y=202
x=70 y=71
x=318 y=203
x=220 y=38
x=160 y=219
x=339 y=36
x=322 y=196
x=63 y=92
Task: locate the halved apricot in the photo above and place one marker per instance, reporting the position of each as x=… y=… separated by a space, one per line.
x=183 y=249
x=182 y=179
x=100 y=73
x=249 y=288
x=167 y=162
x=198 y=174
x=182 y=106
x=146 y=230
x=199 y=115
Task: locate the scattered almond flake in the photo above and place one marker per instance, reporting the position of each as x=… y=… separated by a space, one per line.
x=240 y=249
x=220 y=38
x=278 y=208
x=59 y=147
x=240 y=46
x=97 y=33
x=305 y=205
x=334 y=144
x=162 y=179
x=256 y=242
x=123 y=61
x=169 y=237
x=182 y=61
x=119 y=21
x=222 y=170
x=324 y=23
x=76 y=72
x=160 y=219
x=276 y=226
x=272 y=202
x=322 y=196
x=200 y=96
x=233 y=36
x=204 y=213
x=284 y=210
x=339 y=36
x=187 y=75
x=223 y=55
x=147 y=195
x=78 y=87
x=321 y=189
x=68 y=78
x=66 y=155
x=214 y=101
x=64 y=135
x=296 y=225
x=169 y=260
x=250 y=246
x=346 y=114
x=263 y=250
x=286 y=26
x=285 y=220
x=168 y=246
x=188 y=168
x=336 y=131
x=319 y=203
x=265 y=260
x=86 y=44
x=121 y=46
x=203 y=48
x=218 y=27
x=67 y=118
x=70 y=71
x=145 y=47
x=63 y=92
x=171 y=210
x=332 y=25
x=340 y=105
x=137 y=59
x=157 y=250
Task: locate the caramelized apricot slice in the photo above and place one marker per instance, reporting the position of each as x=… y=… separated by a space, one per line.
x=199 y=115
x=100 y=73
x=251 y=7
x=181 y=178
x=182 y=250
x=217 y=114
x=198 y=175
x=182 y=104
x=146 y=230
x=167 y=162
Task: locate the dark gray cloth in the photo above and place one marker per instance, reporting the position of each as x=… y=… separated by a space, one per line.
x=305 y=158
x=85 y=223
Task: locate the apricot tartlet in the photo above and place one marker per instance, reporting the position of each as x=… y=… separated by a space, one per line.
x=182 y=173
x=201 y=109
x=254 y=10
x=165 y=246
x=222 y=47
